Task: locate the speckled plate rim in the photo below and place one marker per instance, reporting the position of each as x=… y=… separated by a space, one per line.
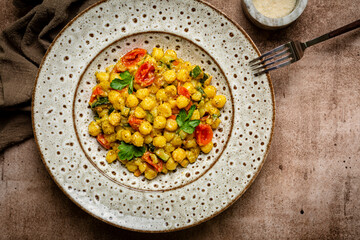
x=195 y=223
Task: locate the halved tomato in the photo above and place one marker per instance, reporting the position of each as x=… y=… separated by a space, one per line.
x=145 y=75
x=97 y=91
x=203 y=134
x=158 y=166
x=176 y=62
x=132 y=57
x=102 y=140
x=135 y=122
x=183 y=91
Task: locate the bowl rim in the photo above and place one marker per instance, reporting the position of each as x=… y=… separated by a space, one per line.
x=132 y=229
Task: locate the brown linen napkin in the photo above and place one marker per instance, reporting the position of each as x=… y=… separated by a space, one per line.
x=22 y=47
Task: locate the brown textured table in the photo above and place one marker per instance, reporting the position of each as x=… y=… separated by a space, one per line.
x=309 y=187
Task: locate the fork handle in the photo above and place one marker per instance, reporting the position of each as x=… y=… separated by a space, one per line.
x=336 y=32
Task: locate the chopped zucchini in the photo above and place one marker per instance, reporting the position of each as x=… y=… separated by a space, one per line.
x=125 y=111
x=167 y=59
x=149 y=117
x=162 y=154
x=182 y=134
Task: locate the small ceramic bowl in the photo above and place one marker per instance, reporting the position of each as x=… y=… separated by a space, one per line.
x=272 y=23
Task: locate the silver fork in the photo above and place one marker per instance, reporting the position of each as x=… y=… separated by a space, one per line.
x=292 y=51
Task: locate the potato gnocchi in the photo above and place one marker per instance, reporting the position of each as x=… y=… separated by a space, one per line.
x=154 y=111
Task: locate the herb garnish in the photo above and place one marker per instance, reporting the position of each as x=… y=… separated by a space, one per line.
x=151 y=147
x=215 y=116
x=111 y=109
x=126 y=80
x=96 y=117
x=129 y=151
x=201 y=91
x=184 y=122
x=101 y=101
x=195 y=72
x=204 y=78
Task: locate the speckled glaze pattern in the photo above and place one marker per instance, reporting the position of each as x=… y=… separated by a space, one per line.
x=272 y=23
x=110 y=55
x=95 y=39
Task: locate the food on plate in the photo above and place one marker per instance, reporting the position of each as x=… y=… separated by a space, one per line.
x=154 y=111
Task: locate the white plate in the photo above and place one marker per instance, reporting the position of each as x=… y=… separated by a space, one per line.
x=98 y=37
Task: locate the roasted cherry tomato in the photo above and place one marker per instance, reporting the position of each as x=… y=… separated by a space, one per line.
x=158 y=166
x=102 y=140
x=176 y=62
x=183 y=91
x=203 y=134
x=145 y=75
x=132 y=57
x=97 y=91
x=172 y=117
x=135 y=122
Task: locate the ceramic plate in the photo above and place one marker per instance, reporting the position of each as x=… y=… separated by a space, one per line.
x=97 y=38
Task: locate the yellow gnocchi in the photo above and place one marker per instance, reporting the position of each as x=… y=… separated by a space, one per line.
x=154 y=112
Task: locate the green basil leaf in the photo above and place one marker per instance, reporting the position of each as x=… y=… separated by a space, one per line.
x=126 y=75
x=139 y=152
x=129 y=151
x=191 y=111
x=131 y=86
x=126 y=80
x=194 y=123
x=119 y=84
x=195 y=72
x=101 y=101
x=181 y=117
x=187 y=128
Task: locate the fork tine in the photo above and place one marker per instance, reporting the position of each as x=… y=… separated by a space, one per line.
x=277 y=61
x=275 y=67
x=268 y=53
x=287 y=51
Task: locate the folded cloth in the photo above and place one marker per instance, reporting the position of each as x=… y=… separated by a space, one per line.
x=22 y=47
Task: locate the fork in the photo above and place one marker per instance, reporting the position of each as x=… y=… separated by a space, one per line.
x=292 y=51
